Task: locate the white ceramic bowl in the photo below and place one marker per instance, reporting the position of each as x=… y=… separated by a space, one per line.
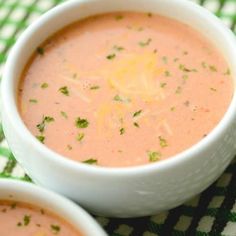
x=121 y=192
x=13 y=190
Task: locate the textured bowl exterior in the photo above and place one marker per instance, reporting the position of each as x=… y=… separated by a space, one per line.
x=121 y=192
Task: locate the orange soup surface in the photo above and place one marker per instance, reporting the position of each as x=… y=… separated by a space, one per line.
x=20 y=219
x=124 y=89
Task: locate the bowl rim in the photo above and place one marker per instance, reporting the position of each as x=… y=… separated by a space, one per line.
x=10 y=105
x=84 y=223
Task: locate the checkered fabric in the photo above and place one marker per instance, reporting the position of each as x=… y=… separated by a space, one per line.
x=211 y=213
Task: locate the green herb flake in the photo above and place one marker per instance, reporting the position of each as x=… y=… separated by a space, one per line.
x=64 y=90
x=119 y=17
x=178 y=90
x=80 y=136
x=118 y=48
x=44 y=85
x=137 y=113
x=136 y=124
x=167 y=73
x=185 y=77
x=176 y=59
x=19 y=224
x=33 y=101
x=111 y=56
x=81 y=123
x=95 y=87
x=213 y=89
x=26 y=220
x=212 y=68
x=122 y=131
x=228 y=72
x=40 y=51
x=118 y=98
x=46 y=119
x=55 y=229
x=164 y=59
x=91 y=161
x=154 y=156
x=42 y=211
x=41 y=138
x=163 y=85
x=162 y=142
x=64 y=114
x=144 y=44
x=13 y=205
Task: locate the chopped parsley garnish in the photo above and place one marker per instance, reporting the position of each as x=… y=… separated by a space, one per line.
x=176 y=59
x=111 y=56
x=165 y=60
x=64 y=114
x=118 y=48
x=55 y=229
x=162 y=142
x=46 y=119
x=91 y=161
x=41 y=138
x=95 y=87
x=80 y=136
x=212 y=68
x=13 y=205
x=81 y=123
x=178 y=90
x=228 y=72
x=137 y=113
x=42 y=211
x=122 y=131
x=26 y=220
x=118 y=98
x=185 y=77
x=44 y=85
x=213 y=89
x=119 y=17
x=144 y=44
x=136 y=124
x=40 y=51
x=64 y=90
x=33 y=101
x=154 y=156
x=185 y=69
x=162 y=85
x=167 y=73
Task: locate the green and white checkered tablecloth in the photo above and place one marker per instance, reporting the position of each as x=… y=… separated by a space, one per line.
x=211 y=213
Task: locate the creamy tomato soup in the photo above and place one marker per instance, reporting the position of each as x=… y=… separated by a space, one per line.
x=19 y=219
x=124 y=89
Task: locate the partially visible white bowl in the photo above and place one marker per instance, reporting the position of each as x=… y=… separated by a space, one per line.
x=29 y=193
x=121 y=192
